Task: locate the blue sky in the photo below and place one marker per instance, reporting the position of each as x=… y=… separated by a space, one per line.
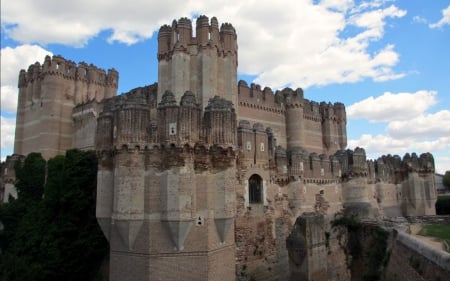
x=387 y=61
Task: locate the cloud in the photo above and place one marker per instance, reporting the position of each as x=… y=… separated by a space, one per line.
x=376 y=146
x=391 y=106
x=444 y=20
x=409 y=128
x=444 y=164
x=8 y=126
x=422 y=126
x=300 y=51
x=419 y=19
x=14 y=59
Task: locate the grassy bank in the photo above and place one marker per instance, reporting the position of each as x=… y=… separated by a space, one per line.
x=437 y=231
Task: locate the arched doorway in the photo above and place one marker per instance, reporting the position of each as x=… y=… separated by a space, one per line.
x=255 y=189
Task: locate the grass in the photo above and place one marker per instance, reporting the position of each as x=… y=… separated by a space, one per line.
x=437 y=231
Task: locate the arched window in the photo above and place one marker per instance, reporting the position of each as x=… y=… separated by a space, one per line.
x=255 y=189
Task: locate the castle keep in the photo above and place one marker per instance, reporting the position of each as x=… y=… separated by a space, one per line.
x=203 y=177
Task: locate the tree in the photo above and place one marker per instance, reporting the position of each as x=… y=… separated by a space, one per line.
x=446 y=180
x=54 y=234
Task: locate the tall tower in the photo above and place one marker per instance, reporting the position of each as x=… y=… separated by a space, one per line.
x=48 y=94
x=295 y=125
x=166 y=195
x=206 y=64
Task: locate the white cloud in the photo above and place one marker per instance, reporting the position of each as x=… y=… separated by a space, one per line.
x=378 y=145
x=419 y=19
x=14 y=59
x=9 y=99
x=391 y=106
x=444 y=20
x=409 y=127
x=8 y=126
x=422 y=126
x=302 y=49
x=443 y=164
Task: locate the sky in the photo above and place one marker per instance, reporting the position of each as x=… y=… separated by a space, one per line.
x=388 y=61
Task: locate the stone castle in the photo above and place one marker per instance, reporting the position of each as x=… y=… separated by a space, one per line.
x=202 y=177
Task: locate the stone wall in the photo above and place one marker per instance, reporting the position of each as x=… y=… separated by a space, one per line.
x=48 y=94
x=414 y=260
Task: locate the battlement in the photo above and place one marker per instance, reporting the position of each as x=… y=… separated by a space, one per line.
x=67 y=69
x=393 y=168
x=179 y=37
x=334 y=112
x=126 y=121
x=290 y=98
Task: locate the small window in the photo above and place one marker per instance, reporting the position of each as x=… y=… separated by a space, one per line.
x=261 y=146
x=172 y=129
x=255 y=190
x=249 y=146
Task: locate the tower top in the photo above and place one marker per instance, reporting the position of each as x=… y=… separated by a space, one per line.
x=179 y=36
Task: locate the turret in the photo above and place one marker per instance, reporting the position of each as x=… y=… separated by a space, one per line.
x=189 y=119
x=228 y=38
x=341 y=119
x=297 y=158
x=184 y=32
x=294 y=117
x=220 y=123
x=168 y=118
x=205 y=65
x=202 y=30
x=164 y=41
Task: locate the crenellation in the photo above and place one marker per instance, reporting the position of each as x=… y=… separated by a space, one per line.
x=203 y=177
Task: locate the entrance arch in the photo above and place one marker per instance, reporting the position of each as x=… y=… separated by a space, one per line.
x=255 y=189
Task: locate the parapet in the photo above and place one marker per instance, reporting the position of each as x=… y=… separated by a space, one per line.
x=290 y=98
x=334 y=111
x=179 y=37
x=67 y=69
x=392 y=168
x=353 y=162
x=255 y=94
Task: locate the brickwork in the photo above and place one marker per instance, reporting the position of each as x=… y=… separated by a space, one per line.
x=414 y=260
x=48 y=94
x=204 y=177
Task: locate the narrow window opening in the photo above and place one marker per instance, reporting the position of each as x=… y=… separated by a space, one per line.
x=255 y=189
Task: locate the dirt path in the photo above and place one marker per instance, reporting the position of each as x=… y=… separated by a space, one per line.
x=415 y=228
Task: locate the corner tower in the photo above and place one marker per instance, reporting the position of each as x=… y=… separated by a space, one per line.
x=48 y=93
x=205 y=64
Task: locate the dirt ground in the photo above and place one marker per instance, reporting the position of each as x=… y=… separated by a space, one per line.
x=415 y=229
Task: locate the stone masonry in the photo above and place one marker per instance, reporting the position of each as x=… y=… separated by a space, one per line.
x=202 y=177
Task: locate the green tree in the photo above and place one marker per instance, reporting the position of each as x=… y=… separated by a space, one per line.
x=57 y=236
x=446 y=180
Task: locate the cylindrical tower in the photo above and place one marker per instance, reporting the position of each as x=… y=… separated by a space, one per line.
x=294 y=117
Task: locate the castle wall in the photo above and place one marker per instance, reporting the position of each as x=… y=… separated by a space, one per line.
x=47 y=96
x=294 y=121
x=189 y=223
x=413 y=259
x=84 y=119
x=389 y=198
x=259 y=106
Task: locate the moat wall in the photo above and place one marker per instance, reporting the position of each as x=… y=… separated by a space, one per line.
x=414 y=260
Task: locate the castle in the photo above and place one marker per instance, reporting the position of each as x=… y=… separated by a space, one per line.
x=202 y=177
